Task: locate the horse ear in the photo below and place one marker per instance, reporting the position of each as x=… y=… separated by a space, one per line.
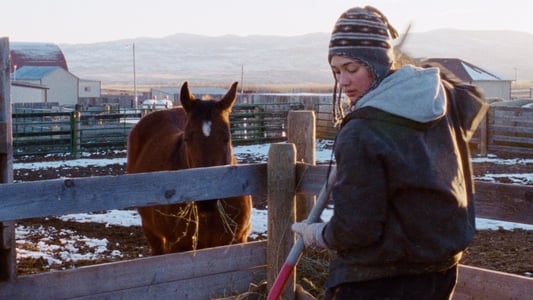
x=227 y=101
x=186 y=97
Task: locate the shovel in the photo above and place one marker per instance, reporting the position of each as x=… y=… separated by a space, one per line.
x=294 y=255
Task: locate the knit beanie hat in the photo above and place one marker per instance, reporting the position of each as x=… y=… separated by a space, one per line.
x=363 y=34
x=366 y=35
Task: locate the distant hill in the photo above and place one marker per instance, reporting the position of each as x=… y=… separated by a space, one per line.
x=277 y=59
x=500 y=52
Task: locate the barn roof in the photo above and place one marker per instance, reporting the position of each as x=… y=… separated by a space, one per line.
x=33 y=73
x=465 y=71
x=36 y=54
x=29 y=85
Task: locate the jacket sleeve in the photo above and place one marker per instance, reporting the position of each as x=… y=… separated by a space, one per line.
x=360 y=193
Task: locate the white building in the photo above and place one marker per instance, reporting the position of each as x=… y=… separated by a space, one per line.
x=24 y=92
x=89 y=88
x=63 y=86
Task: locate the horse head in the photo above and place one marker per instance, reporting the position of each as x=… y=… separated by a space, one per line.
x=207 y=135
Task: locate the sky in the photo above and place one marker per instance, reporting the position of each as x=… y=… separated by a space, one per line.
x=76 y=21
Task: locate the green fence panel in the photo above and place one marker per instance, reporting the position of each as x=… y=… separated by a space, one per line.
x=75 y=133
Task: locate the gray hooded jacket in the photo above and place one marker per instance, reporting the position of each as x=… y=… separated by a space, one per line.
x=401 y=199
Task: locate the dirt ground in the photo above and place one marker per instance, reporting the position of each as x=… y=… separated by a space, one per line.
x=501 y=250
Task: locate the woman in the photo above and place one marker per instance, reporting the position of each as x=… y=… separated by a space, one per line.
x=403 y=212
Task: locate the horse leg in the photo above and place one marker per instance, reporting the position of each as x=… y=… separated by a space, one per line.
x=241 y=215
x=154 y=240
x=155 y=243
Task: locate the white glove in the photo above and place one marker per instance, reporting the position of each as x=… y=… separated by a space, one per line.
x=311 y=234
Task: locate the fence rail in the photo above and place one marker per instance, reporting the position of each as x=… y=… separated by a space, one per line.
x=37 y=133
x=510 y=129
x=237 y=265
x=507 y=129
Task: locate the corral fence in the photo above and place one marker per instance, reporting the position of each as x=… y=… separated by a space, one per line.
x=42 y=131
x=219 y=272
x=507 y=130
x=69 y=132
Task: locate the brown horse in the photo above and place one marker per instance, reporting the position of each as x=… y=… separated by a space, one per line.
x=195 y=135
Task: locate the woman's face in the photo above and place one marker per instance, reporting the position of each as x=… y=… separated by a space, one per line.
x=353 y=77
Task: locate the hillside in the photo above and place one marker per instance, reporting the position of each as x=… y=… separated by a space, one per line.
x=276 y=59
x=501 y=52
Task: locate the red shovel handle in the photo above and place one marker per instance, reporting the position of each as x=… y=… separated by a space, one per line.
x=297 y=248
x=280 y=282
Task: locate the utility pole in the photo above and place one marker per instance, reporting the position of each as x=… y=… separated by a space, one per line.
x=242 y=79
x=135 y=100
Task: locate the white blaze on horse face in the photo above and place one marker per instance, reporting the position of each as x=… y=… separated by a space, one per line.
x=206 y=128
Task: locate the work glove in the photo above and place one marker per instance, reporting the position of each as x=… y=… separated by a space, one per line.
x=311 y=234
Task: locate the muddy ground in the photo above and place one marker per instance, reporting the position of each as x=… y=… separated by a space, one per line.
x=501 y=250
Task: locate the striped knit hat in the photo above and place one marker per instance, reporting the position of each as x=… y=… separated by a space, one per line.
x=366 y=35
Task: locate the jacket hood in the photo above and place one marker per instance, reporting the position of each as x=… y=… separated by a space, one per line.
x=410 y=92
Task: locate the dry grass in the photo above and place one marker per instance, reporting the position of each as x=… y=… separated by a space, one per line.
x=311 y=273
x=188 y=215
x=312 y=270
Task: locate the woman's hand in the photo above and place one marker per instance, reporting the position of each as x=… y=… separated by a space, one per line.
x=311 y=234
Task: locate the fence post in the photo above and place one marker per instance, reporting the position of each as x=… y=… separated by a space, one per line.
x=302 y=133
x=281 y=177
x=484 y=136
x=75 y=134
x=8 y=267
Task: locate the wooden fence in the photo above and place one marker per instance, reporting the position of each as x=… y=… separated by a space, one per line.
x=506 y=131
x=509 y=128
x=217 y=272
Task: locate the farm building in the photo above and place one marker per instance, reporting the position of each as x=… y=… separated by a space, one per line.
x=89 y=89
x=40 y=74
x=36 y=54
x=28 y=92
x=62 y=85
x=493 y=86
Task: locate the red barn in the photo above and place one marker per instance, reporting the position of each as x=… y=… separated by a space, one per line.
x=36 y=55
